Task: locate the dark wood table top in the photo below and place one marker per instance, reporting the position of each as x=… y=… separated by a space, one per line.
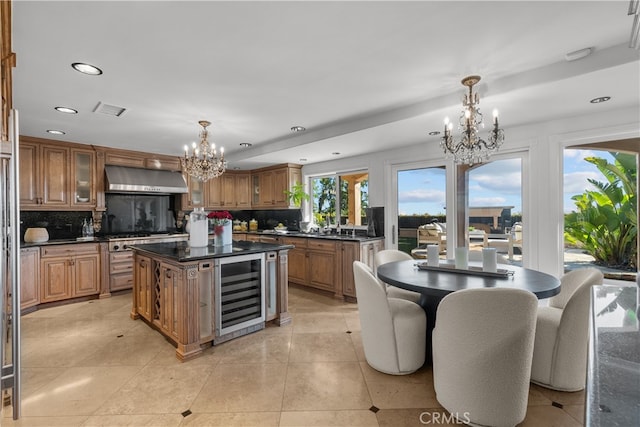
x=406 y=275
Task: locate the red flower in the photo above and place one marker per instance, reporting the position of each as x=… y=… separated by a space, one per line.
x=220 y=217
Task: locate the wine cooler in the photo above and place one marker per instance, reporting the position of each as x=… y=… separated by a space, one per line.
x=240 y=298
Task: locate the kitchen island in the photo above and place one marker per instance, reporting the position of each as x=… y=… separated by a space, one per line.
x=197 y=297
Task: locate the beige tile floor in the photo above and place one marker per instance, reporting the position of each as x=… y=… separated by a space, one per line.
x=89 y=364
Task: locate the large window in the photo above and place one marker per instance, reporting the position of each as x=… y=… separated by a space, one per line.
x=601 y=211
x=340 y=199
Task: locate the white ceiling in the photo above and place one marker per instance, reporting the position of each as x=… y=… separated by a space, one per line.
x=360 y=76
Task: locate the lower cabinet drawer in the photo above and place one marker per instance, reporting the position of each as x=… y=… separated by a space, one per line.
x=120 y=282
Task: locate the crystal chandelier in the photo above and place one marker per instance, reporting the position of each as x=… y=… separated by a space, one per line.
x=203 y=163
x=470 y=148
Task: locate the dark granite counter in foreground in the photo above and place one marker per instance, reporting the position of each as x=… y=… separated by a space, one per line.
x=182 y=252
x=613 y=373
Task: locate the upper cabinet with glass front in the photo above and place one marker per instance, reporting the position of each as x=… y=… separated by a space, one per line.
x=82 y=178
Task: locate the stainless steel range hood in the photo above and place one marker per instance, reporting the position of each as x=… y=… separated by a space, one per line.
x=121 y=179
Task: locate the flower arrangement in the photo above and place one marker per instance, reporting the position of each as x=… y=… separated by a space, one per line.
x=219 y=219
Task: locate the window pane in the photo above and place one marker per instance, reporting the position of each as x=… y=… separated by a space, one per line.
x=324 y=200
x=352 y=199
x=601 y=212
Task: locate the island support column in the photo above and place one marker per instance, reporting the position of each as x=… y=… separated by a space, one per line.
x=187 y=306
x=284 y=317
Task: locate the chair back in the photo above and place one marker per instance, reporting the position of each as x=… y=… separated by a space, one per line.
x=482 y=352
x=570 y=355
x=572 y=281
x=376 y=322
x=389 y=255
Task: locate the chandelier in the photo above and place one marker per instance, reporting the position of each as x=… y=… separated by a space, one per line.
x=470 y=148
x=203 y=163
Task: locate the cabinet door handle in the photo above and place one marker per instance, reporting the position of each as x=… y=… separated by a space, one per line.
x=168 y=275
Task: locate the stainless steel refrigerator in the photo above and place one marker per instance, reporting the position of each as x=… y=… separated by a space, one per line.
x=10 y=269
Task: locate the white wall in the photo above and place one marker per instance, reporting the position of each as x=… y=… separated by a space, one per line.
x=542 y=195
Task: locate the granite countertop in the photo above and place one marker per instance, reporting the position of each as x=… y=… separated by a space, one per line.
x=613 y=374
x=61 y=242
x=182 y=252
x=342 y=237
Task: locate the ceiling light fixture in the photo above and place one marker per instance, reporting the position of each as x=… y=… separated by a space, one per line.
x=578 y=54
x=86 y=68
x=600 y=99
x=298 y=129
x=203 y=163
x=335 y=153
x=434 y=133
x=66 y=110
x=471 y=149
x=55 y=132
x=245 y=144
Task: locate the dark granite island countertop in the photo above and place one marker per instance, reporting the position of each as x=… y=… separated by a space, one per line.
x=613 y=373
x=182 y=252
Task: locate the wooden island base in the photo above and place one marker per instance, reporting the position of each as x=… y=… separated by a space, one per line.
x=199 y=297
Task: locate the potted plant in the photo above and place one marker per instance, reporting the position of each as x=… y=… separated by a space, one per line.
x=297 y=194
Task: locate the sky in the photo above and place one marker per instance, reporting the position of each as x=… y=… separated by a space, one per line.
x=498 y=183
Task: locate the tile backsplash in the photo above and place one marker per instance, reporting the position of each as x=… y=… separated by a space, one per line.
x=59 y=224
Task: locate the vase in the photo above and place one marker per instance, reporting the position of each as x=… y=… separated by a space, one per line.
x=223 y=234
x=198 y=229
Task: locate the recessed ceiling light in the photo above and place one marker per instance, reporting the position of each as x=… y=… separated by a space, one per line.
x=600 y=99
x=434 y=133
x=55 y=132
x=86 y=68
x=298 y=129
x=66 y=110
x=303 y=160
x=335 y=153
x=245 y=144
x=578 y=54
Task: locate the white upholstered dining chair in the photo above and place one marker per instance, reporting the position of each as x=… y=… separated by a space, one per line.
x=393 y=330
x=482 y=350
x=562 y=333
x=392 y=255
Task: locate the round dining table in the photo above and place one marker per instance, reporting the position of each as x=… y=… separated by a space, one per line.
x=435 y=283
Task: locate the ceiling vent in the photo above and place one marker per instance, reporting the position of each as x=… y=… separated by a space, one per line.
x=109 y=110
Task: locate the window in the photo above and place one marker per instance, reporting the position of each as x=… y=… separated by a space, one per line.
x=340 y=199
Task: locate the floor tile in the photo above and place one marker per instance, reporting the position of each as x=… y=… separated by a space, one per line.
x=233 y=419
x=364 y=418
x=242 y=388
x=325 y=386
x=157 y=420
x=323 y=347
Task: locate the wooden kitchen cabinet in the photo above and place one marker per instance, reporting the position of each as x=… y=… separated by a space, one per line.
x=234 y=191
x=229 y=191
x=83 y=188
x=29 y=277
x=270 y=184
x=356 y=251
x=297 y=259
x=56 y=176
x=168 y=288
x=143 y=299
x=44 y=176
x=120 y=270
x=69 y=271
x=321 y=264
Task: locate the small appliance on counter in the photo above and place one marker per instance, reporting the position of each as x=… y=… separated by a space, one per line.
x=36 y=235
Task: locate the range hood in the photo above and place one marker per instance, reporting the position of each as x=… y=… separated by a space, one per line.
x=121 y=179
